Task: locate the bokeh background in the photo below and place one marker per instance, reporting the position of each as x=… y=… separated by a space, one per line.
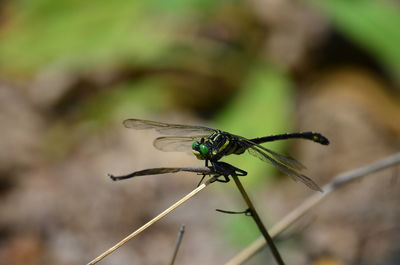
x=72 y=71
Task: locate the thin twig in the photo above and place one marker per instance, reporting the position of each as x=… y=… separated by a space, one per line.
x=258 y=221
x=152 y=221
x=302 y=209
x=177 y=244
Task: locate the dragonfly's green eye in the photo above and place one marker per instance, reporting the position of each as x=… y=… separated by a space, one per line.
x=204 y=149
x=195 y=145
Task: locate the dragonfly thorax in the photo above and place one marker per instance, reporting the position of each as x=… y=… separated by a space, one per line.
x=213 y=147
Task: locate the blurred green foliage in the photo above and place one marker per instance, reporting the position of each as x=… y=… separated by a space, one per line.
x=84 y=34
x=147 y=96
x=263 y=107
x=373 y=25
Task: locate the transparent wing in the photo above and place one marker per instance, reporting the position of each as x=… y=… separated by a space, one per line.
x=286 y=160
x=176 y=143
x=285 y=164
x=167 y=128
x=297 y=176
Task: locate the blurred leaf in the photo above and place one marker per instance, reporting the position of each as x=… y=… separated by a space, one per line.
x=126 y=101
x=263 y=108
x=86 y=34
x=372 y=24
x=240 y=230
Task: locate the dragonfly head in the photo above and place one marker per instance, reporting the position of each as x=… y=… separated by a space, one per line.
x=201 y=150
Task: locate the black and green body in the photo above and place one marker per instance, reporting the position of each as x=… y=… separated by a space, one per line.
x=212 y=145
x=217 y=145
x=221 y=143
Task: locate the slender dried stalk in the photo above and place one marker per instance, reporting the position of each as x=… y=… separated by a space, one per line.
x=177 y=244
x=302 y=209
x=258 y=221
x=154 y=220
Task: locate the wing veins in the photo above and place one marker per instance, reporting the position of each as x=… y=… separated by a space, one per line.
x=293 y=173
x=167 y=128
x=286 y=164
x=286 y=160
x=176 y=143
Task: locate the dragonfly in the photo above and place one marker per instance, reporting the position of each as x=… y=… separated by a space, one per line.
x=211 y=145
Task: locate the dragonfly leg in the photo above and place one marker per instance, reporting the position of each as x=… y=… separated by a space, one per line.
x=224 y=180
x=221 y=171
x=201 y=180
x=246 y=212
x=204 y=175
x=226 y=169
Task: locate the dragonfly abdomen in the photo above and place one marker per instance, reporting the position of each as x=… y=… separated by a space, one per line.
x=316 y=137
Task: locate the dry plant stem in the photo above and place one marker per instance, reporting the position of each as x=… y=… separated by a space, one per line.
x=258 y=221
x=341 y=180
x=177 y=244
x=152 y=221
